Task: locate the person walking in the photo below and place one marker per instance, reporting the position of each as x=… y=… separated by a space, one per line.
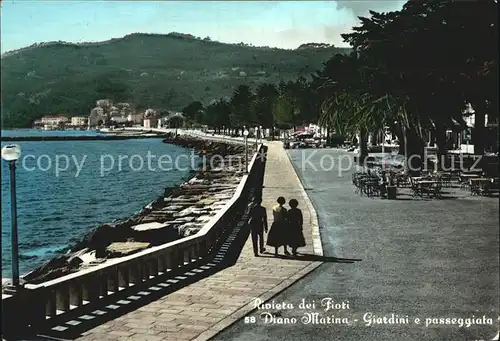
x=258 y=225
x=295 y=221
x=277 y=233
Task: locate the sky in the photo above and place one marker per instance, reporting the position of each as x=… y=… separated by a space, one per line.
x=283 y=24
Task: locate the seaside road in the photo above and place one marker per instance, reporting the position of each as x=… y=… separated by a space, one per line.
x=200 y=310
x=420 y=258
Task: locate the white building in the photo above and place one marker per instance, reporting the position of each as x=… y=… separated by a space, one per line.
x=54 y=120
x=78 y=121
x=96 y=117
x=135 y=118
x=119 y=119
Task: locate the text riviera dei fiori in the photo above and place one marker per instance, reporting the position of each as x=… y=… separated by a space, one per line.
x=369 y=319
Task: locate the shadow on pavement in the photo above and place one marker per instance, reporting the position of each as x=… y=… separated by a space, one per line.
x=312 y=258
x=155 y=289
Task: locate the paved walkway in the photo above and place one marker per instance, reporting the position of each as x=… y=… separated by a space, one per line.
x=200 y=310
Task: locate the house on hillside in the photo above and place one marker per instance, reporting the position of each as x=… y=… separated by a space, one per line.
x=104 y=103
x=150 y=119
x=135 y=118
x=97 y=117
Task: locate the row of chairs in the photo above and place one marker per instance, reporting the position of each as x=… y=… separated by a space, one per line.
x=432 y=191
x=366 y=183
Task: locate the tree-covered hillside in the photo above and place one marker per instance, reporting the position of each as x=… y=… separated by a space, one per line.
x=160 y=71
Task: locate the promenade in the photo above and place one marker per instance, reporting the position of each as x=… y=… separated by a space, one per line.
x=421 y=258
x=200 y=310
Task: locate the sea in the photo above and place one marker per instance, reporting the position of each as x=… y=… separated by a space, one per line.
x=67 y=188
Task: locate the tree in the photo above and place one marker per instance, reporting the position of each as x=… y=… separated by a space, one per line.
x=265 y=99
x=217 y=115
x=176 y=121
x=192 y=111
x=241 y=107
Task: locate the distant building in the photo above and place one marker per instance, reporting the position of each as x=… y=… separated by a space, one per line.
x=123 y=105
x=150 y=119
x=54 y=120
x=149 y=113
x=78 y=121
x=104 y=103
x=119 y=119
x=97 y=117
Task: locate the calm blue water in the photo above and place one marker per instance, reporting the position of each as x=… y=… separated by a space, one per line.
x=57 y=208
x=36 y=132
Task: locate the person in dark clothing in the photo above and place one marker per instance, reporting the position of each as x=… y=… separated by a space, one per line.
x=295 y=236
x=258 y=225
x=277 y=234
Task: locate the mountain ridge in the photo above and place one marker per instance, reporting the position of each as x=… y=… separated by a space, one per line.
x=171 y=34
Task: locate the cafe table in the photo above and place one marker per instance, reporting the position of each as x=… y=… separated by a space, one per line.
x=480 y=185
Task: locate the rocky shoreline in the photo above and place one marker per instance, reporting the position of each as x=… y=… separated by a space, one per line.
x=182 y=211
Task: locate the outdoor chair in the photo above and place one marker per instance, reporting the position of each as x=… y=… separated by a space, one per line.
x=357 y=180
x=445 y=179
x=464 y=183
x=402 y=180
x=372 y=187
x=415 y=188
x=436 y=190
x=474 y=187
x=494 y=186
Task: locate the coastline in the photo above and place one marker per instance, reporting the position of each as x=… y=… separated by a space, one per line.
x=180 y=212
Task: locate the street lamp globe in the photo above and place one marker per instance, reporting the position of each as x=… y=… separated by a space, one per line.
x=245 y=133
x=11 y=152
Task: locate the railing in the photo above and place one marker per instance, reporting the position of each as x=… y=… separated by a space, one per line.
x=42 y=304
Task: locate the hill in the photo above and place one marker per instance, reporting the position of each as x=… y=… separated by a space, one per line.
x=147 y=70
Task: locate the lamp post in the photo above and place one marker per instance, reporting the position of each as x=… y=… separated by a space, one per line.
x=260 y=134
x=383 y=146
x=256 y=142
x=245 y=134
x=11 y=154
x=405 y=141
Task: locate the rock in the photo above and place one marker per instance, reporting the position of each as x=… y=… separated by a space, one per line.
x=88 y=258
x=189 y=227
x=75 y=259
x=54 y=268
x=6 y=282
x=204 y=218
x=174 y=208
x=191 y=231
x=205 y=203
x=155 y=233
x=147 y=219
x=121 y=249
x=105 y=234
x=182 y=220
x=191 y=211
x=148 y=226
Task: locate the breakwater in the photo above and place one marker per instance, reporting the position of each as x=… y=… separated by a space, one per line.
x=180 y=212
x=82 y=138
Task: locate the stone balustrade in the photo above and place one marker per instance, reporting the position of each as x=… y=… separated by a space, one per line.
x=39 y=305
